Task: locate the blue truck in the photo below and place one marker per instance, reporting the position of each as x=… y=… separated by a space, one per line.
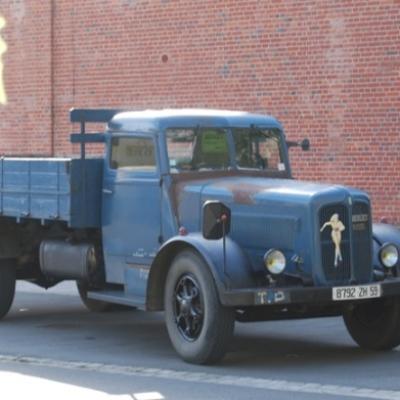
x=195 y=212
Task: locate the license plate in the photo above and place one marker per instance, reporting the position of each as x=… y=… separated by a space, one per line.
x=356 y=292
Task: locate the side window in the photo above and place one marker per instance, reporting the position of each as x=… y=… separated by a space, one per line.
x=132 y=153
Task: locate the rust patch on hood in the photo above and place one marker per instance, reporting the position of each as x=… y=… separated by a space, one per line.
x=243 y=193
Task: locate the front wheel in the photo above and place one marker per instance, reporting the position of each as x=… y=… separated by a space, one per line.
x=199 y=327
x=375 y=324
x=7 y=286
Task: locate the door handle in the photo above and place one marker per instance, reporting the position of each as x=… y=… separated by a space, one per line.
x=107 y=191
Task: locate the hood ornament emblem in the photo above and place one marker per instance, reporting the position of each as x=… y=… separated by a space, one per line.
x=337 y=227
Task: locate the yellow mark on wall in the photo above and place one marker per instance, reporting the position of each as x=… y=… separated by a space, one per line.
x=3 y=49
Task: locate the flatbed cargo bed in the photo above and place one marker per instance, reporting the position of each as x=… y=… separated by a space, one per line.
x=49 y=189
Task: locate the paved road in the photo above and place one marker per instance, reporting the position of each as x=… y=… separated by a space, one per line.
x=50 y=345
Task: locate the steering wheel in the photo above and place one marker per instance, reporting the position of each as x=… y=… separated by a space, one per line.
x=259 y=161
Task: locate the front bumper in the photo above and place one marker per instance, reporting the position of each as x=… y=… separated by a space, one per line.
x=295 y=295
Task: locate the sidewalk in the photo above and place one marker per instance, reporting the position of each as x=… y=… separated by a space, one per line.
x=17 y=386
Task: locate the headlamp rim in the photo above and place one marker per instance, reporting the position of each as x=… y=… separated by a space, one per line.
x=268 y=254
x=383 y=247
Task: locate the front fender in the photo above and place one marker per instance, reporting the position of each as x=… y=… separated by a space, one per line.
x=383 y=233
x=237 y=272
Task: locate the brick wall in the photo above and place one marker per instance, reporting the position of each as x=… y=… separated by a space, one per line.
x=329 y=70
x=25 y=121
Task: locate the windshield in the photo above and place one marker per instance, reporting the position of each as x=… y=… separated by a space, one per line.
x=258 y=149
x=203 y=149
x=197 y=149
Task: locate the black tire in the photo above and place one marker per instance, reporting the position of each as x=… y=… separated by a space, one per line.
x=375 y=325
x=199 y=327
x=7 y=286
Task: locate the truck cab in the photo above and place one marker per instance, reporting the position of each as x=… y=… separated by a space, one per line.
x=161 y=167
x=196 y=212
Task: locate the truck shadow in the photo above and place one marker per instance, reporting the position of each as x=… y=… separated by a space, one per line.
x=278 y=343
x=281 y=351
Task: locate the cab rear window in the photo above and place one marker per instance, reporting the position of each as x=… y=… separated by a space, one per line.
x=132 y=153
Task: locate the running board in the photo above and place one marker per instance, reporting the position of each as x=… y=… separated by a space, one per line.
x=118 y=297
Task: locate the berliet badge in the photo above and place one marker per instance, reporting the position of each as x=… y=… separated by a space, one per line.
x=337 y=228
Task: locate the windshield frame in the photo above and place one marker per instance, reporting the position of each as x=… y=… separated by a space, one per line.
x=233 y=167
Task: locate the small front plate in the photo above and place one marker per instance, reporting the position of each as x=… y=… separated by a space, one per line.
x=270 y=297
x=356 y=292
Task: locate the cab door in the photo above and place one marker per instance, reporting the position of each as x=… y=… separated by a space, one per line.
x=131 y=214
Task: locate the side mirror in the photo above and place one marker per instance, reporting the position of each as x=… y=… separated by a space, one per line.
x=216 y=220
x=304 y=144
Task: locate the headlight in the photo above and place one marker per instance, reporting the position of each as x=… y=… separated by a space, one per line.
x=389 y=255
x=274 y=261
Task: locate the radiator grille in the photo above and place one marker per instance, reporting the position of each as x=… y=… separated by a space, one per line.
x=362 y=242
x=355 y=245
x=336 y=265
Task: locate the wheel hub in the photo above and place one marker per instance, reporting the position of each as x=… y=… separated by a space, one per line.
x=185 y=307
x=188 y=308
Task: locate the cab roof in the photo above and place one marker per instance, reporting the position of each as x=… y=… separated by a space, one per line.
x=150 y=121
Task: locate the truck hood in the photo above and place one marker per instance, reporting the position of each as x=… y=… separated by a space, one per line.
x=271 y=213
x=249 y=191
x=266 y=212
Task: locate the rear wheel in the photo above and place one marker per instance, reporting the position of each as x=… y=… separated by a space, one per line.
x=199 y=327
x=375 y=325
x=7 y=286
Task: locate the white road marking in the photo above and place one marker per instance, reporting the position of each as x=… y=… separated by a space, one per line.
x=203 y=377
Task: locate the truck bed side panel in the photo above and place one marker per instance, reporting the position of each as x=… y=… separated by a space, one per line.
x=51 y=189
